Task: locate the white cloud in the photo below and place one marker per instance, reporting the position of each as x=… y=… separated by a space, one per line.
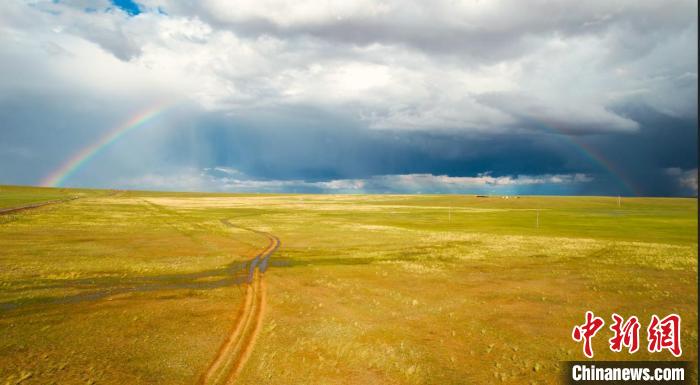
x=472 y=65
x=288 y=14
x=206 y=180
x=421 y=182
x=687 y=179
x=229 y=171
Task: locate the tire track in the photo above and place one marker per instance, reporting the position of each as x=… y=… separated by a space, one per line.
x=247 y=347
x=231 y=341
x=15 y=209
x=29 y=206
x=231 y=357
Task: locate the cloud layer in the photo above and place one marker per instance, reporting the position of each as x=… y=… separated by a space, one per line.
x=367 y=73
x=466 y=66
x=231 y=180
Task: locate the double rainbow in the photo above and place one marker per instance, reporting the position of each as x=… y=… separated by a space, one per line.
x=69 y=167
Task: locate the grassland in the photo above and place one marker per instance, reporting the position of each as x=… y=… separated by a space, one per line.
x=15 y=196
x=364 y=289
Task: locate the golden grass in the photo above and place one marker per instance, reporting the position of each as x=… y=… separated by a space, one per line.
x=365 y=289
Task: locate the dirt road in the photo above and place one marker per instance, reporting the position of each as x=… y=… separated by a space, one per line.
x=15 y=209
x=238 y=345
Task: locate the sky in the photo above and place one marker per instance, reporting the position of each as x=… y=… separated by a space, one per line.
x=506 y=97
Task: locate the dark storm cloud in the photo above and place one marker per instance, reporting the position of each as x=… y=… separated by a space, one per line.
x=347 y=152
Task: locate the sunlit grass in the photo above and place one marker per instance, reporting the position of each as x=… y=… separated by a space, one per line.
x=365 y=289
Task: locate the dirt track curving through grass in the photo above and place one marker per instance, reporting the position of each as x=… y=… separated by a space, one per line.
x=10 y=210
x=95 y=288
x=231 y=357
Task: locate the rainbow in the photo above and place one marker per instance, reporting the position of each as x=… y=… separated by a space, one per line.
x=592 y=154
x=69 y=167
